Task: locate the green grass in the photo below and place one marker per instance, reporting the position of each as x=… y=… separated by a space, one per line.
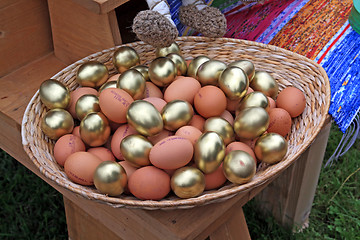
x=31 y=209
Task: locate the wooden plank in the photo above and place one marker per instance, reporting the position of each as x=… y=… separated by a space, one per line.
x=234 y=229
x=25 y=33
x=114 y=26
x=100 y=6
x=18 y=87
x=289 y=197
x=78 y=32
x=82 y=226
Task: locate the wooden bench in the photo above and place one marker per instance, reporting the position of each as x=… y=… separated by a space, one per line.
x=38 y=38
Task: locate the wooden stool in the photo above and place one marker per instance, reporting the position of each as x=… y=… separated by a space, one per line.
x=67 y=30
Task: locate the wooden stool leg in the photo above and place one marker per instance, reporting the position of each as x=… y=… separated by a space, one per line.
x=234 y=229
x=290 y=196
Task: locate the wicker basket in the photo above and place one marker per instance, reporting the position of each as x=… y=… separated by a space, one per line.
x=288 y=68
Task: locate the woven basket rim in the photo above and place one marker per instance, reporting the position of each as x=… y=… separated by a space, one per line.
x=209 y=197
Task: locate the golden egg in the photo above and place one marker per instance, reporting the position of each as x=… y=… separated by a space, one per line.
x=124 y=58
x=110 y=178
x=221 y=127
x=136 y=149
x=162 y=71
x=265 y=83
x=173 y=48
x=253 y=99
x=195 y=64
x=188 y=182
x=54 y=94
x=239 y=167
x=271 y=148
x=144 y=70
x=86 y=104
x=176 y=114
x=92 y=74
x=251 y=122
x=109 y=84
x=179 y=62
x=209 y=152
x=209 y=72
x=234 y=83
x=145 y=118
x=95 y=129
x=132 y=82
x=245 y=65
x=56 y=123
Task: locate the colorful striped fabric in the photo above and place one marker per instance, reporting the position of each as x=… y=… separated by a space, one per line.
x=317 y=29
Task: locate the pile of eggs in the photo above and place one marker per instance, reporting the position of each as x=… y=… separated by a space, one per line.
x=172 y=126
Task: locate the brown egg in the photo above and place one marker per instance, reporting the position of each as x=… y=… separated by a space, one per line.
x=232 y=105
x=67 y=145
x=149 y=183
x=114 y=103
x=280 y=121
x=158 y=103
x=151 y=90
x=215 y=179
x=198 y=122
x=76 y=131
x=190 y=132
x=103 y=153
x=210 y=101
x=122 y=132
x=129 y=169
x=76 y=94
x=228 y=117
x=160 y=136
x=183 y=88
x=292 y=100
x=171 y=153
x=114 y=126
x=272 y=103
x=240 y=146
x=80 y=167
x=113 y=78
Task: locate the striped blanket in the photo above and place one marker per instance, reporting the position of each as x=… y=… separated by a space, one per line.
x=317 y=29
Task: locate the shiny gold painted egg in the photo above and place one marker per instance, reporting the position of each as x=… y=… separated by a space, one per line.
x=92 y=74
x=124 y=58
x=54 y=94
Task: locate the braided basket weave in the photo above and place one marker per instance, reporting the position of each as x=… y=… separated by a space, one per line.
x=288 y=68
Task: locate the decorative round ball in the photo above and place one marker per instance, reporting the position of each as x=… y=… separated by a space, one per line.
x=239 y=167
x=188 y=182
x=251 y=122
x=271 y=148
x=124 y=58
x=132 y=82
x=265 y=83
x=145 y=118
x=56 y=123
x=176 y=114
x=109 y=84
x=209 y=151
x=179 y=62
x=135 y=149
x=95 y=129
x=162 y=71
x=86 y=104
x=92 y=74
x=247 y=66
x=234 y=82
x=221 y=127
x=173 y=48
x=144 y=70
x=110 y=178
x=253 y=99
x=54 y=94
x=209 y=72
x=195 y=64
